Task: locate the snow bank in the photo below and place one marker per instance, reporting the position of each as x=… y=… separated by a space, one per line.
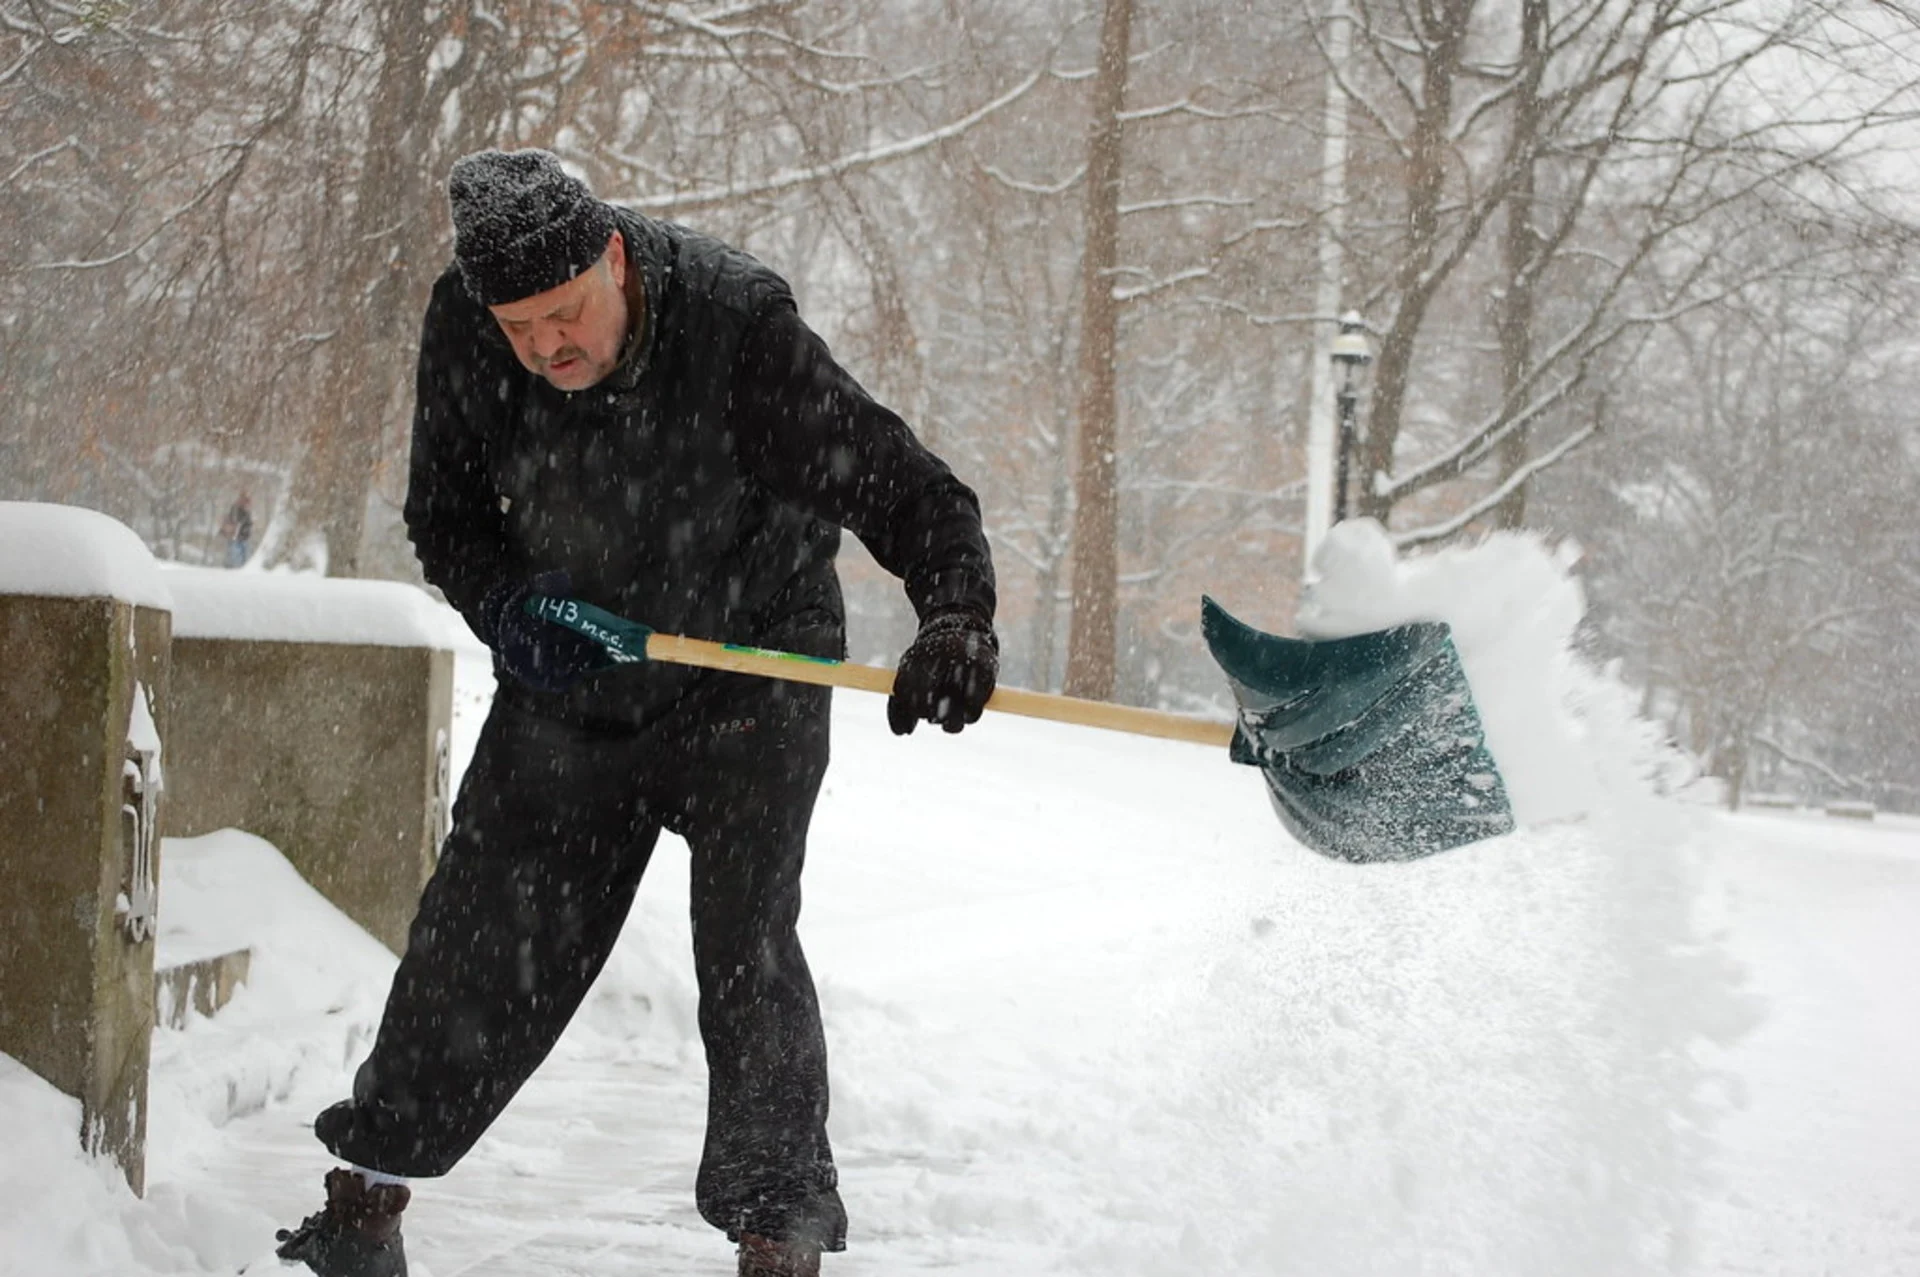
x=301 y=608
x=290 y=1035
x=312 y=1000
x=1565 y=740
x=62 y=551
x=63 y=1214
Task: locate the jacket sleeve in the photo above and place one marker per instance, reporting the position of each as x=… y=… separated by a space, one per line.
x=808 y=431
x=452 y=512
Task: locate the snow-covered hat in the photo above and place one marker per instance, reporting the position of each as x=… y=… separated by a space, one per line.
x=522 y=224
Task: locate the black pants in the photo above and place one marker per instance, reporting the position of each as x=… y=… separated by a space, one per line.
x=553 y=827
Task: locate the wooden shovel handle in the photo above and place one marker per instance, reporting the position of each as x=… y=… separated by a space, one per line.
x=675 y=650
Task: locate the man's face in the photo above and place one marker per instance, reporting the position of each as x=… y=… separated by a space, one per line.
x=572 y=335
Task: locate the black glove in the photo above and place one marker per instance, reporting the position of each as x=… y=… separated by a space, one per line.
x=540 y=653
x=946 y=674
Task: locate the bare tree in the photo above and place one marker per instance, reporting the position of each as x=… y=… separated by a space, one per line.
x=270 y=250
x=1090 y=646
x=1751 y=565
x=167 y=255
x=1615 y=147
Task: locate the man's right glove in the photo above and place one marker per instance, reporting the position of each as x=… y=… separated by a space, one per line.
x=946 y=674
x=545 y=656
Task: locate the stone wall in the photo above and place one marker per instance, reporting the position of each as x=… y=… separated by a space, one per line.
x=334 y=752
x=315 y=714
x=83 y=718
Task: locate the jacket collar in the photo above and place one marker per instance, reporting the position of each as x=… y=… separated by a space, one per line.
x=649 y=262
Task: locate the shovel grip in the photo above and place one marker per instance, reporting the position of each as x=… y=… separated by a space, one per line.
x=630 y=641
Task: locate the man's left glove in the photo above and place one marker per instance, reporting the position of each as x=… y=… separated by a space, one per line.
x=545 y=656
x=947 y=673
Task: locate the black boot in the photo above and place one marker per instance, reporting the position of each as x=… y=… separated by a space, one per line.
x=357 y=1233
x=765 y=1257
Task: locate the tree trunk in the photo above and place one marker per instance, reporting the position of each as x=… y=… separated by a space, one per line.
x=380 y=286
x=1091 y=654
x=1520 y=250
x=1416 y=282
x=1733 y=765
x=1046 y=610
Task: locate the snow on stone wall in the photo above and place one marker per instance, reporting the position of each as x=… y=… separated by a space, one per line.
x=292 y=607
x=62 y=551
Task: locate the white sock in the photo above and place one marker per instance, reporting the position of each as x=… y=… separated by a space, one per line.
x=373 y=1179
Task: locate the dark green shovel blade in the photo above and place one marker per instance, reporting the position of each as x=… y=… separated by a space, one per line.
x=1371 y=745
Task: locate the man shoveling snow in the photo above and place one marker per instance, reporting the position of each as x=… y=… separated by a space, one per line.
x=634 y=414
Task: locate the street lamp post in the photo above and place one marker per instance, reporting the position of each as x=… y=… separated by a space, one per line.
x=1350 y=354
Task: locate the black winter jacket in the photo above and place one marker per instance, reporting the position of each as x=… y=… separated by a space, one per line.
x=699 y=489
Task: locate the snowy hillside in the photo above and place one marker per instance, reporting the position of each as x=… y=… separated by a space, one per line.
x=1091 y=1011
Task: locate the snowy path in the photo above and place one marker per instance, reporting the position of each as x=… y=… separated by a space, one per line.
x=1822 y=1161
x=1091 y=1012
x=1106 y=1018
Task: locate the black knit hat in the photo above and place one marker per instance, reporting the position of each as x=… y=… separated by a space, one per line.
x=521 y=225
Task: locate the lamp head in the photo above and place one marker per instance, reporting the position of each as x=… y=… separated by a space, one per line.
x=1350 y=348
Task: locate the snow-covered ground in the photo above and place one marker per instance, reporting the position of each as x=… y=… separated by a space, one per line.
x=1091 y=1011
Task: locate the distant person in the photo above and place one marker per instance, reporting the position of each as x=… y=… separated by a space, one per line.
x=237 y=531
x=632 y=413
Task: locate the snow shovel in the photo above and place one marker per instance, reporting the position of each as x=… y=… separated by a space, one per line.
x=630 y=642
x=1371 y=746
